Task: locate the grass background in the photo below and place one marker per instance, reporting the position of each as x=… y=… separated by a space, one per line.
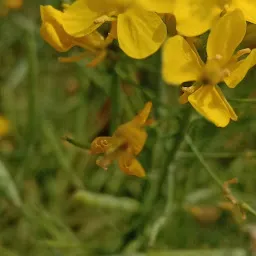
x=56 y=201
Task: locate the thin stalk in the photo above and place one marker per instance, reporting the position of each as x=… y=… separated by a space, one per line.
x=243 y=100
x=32 y=127
x=54 y=142
x=247 y=153
x=153 y=186
x=243 y=205
x=33 y=74
x=203 y=162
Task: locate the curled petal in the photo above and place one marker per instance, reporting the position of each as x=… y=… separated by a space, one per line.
x=222 y=40
x=211 y=103
x=130 y=165
x=52 y=30
x=101 y=144
x=140 y=32
x=242 y=67
x=79 y=20
x=134 y=136
x=180 y=62
x=142 y=116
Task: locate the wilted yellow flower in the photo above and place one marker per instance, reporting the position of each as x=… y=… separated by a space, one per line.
x=140 y=32
x=52 y=31
x=182 y=63
x=4 y=126
x=13 y=4
x=125 y=144
x=194 y=17
x=5 y=5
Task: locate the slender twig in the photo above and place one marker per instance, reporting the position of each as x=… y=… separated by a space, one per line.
x=202 y=161
x=53 y=141
x=223 y=185
x=32 y=85
x=247 y=153
x=76 y=143
x=243 y=100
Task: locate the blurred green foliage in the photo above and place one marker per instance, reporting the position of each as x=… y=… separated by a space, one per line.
x=56 y=201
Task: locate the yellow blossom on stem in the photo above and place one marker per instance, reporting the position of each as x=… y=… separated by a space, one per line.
x=5 y=5
x=194 y=17
x=140 y=32
x=4 y=126
x=182 y=63
x=13 y=4
x=126 y=143
x=52 y=31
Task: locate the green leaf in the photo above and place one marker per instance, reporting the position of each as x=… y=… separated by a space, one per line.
x=8 y=187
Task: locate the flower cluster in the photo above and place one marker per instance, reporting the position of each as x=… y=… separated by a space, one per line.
x=141 y=27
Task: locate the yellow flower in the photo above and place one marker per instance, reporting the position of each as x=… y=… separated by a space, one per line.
x=4 y=126
x=52 y=31
x=181 y=63
x=140 y=32
x=5 y=5
x=13 y=4
x=194 y=17
x=125 y=144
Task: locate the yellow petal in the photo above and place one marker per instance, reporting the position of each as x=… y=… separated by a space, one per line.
x=4 y=126
x=180 y=62
x=52 y=30
x=52 y=37
x=101 y=144
x=225 y=36
x=183 y=99
x=110 y=5
x=134 y=136
x=238 y=74
x=232 y=113
x=194 y=17
x=248 y=7
x=130 y=165
x=142 y=116
x=209 y=102
x=140 y=33
x=13 y=4
x=160 y=6
x=79 y=20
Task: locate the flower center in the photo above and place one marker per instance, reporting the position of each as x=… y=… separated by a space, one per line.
x=212 y=72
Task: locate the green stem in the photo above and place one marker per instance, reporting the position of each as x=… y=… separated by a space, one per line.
x=31 y=132
x=154 y=184
x=202 y=161
x=76 y=143
x=243 y=100
x=116 y=103
x=220 y=183
x=53 y=141
x=247 y=153
x=32 y=127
